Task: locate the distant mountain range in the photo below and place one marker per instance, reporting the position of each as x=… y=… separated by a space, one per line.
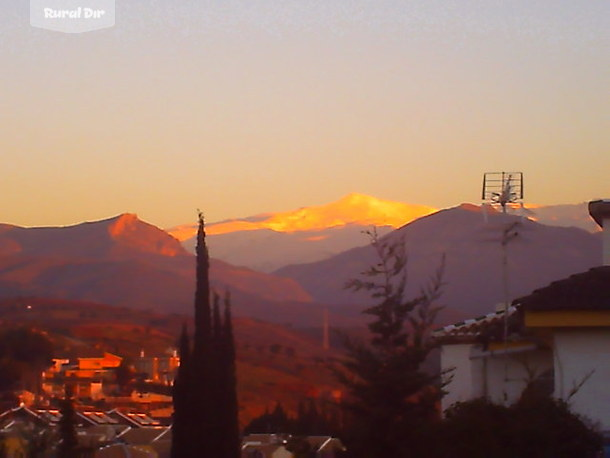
x=270 y=241
x=354 y=208
x=473 y=259
x=125 y=261
x=567 y=215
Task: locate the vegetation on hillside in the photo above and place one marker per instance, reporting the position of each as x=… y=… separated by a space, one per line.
x=24 y=354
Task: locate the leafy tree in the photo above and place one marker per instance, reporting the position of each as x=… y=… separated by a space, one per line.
x=475 y=429
x=391 y=400
x=22 y=352
x=125 y=375
x=544 y=427
x=534 y=427
x=275 y=422
x=311 y=420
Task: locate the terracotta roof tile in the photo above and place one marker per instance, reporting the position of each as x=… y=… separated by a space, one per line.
x=584 y=291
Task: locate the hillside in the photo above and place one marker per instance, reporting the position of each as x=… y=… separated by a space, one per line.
x=473 y=254
x=566 y=215
x=127 y=262
x=275 y=363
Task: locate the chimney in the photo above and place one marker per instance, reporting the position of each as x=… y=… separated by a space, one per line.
x=600 y=212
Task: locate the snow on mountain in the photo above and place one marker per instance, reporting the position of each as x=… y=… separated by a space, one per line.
x=354 y=208
x=269 y=241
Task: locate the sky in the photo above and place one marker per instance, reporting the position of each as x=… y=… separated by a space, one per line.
x=239 y=107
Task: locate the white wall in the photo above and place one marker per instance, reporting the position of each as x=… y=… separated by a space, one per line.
x=506 y=386
x=577 y=353
x=482 y=374
x=457 y=359
x=606 y=243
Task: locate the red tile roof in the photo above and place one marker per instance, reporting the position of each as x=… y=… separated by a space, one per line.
x=584 y=291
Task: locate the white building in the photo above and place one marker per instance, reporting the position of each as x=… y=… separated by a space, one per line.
x=558 y=340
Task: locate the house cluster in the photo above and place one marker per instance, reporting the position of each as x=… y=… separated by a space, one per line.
x=88 y=376
x=100 y=433
x=279 y=446
x=119 y=433
x=93 y=379
x=556 y=340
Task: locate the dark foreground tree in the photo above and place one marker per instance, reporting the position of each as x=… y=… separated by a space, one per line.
x=391 y=402
x=68 y=442
x=534 y=427
x=312 y=419
x=205 y=420
x=24 y=354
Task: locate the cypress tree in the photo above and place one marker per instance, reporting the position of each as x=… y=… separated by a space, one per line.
x=216 y=402
x=201 y=383
x=182 y=415
x=231 y=441
x=205 y=403
x=67 y=427
x=202 y=293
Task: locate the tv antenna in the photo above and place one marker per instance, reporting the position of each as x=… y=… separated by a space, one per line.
x=504 y=190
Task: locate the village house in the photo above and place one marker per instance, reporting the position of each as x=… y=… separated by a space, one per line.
x=87 y=375
x=557 y=340
x=158 y=369
x=105 y=432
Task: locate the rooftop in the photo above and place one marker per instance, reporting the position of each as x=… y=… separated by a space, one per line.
x=588 y=290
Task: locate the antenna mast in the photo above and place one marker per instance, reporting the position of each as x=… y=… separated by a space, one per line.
x=504 y=189
x=325 y=340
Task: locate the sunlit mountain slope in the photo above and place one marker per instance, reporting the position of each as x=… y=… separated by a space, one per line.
x=126 y=261
x=269 y=241
x=352 y=209
x=471 y=246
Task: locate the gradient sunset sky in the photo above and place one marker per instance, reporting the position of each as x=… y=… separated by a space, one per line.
x=245 y=106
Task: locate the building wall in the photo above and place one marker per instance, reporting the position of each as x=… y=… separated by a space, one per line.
x=478 y=374
x=158 y=369
x=456 y=359
x=507 y=376
x=579 y=352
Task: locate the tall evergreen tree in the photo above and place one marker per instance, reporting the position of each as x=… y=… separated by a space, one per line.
x=205 y=403
x=182 y=407
x=390 y=398
x=68 y=442
x=230 y=447
x=203 y=331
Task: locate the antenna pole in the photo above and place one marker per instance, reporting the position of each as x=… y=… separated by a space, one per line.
x=504 y=189
x=325 y=342
x=508 y=234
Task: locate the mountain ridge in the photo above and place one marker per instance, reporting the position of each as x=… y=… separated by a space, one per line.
x=269 y=241
x=353 y=208
x=125 y=261
x=472 y=249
